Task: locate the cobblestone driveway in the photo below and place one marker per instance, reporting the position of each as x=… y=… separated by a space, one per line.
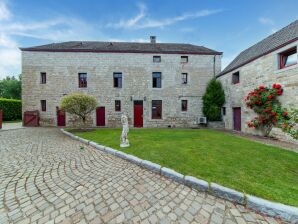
x=46 y=177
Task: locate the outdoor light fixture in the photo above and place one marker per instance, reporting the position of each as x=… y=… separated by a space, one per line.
x=145 y=98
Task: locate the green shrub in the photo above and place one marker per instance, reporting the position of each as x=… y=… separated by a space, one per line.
x=11 y=109
x=213 y=100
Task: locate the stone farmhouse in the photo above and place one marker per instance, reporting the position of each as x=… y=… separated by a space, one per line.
x=155 y=84
x=272 y=60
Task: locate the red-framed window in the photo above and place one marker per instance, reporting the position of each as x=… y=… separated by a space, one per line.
x=117 y=105
x=82 y=80
x=43 y=78
x=288 y=58
x=235 y=77
x=43 y=104
x=156 y=109
x=184 y=105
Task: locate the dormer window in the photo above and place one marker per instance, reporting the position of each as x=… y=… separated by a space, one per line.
x=288 y=58
x=156 y=59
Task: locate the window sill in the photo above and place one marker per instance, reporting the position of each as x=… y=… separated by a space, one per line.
x=286 y=68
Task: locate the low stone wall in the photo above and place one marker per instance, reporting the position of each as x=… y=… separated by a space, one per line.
x=216 y=124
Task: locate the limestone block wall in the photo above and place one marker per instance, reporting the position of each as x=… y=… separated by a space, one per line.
x=262 y=71
x=62 y=70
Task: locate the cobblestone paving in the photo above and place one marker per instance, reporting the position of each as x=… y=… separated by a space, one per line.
x=45 y=177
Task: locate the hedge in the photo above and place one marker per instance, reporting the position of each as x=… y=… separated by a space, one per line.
x=11 y=109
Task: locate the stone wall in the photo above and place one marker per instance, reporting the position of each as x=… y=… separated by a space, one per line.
x=62 y=70
x=262 y=71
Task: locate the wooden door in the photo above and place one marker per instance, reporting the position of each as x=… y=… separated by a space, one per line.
x=61 y=117
x=100 y=116
x=237 y=118
x=138 y=114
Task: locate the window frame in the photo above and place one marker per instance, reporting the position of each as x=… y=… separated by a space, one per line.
x=283 y=55
x=184 y=57
x=43 y=105
x=43 y=78
x=158 y=109
x=184 y=109
x=84 y=83
x=224 y=111
x=117 y=106
x=184 y=79
x=117 y=76
x=236 y=74
x=156 y=82
x=156 y=56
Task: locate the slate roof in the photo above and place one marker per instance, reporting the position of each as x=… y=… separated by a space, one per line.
x=279 y=39
x=123 y=47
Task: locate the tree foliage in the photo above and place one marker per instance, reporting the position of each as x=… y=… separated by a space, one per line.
x=10 y=88
x=79 y=104
x=213 y=100
x=264 y=102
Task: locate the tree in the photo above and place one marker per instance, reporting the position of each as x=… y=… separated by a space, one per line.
x=79 y=104
x=11 y=88
x=264 y=102
x=213 y=100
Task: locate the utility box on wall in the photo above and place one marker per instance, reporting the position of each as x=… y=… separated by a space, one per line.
x=31 y=118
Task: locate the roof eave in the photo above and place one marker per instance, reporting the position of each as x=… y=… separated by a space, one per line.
x=259 y=56
x=114 y=51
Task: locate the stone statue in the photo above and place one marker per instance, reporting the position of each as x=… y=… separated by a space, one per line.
x=125 y=129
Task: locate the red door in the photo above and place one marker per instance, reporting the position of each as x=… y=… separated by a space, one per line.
x=100 y=116
x=138 y=114
x=237 y=118
x=61 y=117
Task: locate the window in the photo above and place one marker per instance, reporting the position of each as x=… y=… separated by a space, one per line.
x=156 y=109
x=43 y=104
x=288 y=58
x=117 y=105
x=43 y=78
x=235 y=78
x=156 y=79
x=184 y=105
x=82 y=80
x=223 y=111
x=184 y=59
x=184 y=78
x=156 y=59
x=117 y=79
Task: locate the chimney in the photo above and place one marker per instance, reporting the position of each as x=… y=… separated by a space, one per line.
x=152 y=39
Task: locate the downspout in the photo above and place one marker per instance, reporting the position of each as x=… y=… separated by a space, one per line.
x=214 y=58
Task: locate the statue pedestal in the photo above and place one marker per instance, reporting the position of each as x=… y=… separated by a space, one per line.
x=124 y=145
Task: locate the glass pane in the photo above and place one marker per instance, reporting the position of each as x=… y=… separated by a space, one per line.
x=291 y=59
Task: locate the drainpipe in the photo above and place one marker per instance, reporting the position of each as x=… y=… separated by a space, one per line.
x=214 y=58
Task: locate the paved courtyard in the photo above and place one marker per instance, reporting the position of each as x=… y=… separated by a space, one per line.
x=46 y=177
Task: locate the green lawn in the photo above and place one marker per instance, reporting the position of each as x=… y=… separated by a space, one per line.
x=254 y=168
x=16 y=121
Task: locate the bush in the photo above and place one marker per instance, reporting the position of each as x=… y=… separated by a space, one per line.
x=264 y=102
x=11 y=109
x=79 y=104
x=213 y=100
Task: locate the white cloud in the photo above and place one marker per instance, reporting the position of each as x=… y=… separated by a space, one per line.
x=141 y=20
x=266 y=21
x=4 y=12
x=54 y=30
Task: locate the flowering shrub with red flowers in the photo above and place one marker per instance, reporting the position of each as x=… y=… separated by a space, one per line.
x=264 y=102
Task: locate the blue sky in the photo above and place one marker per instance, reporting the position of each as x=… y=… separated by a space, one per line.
x=227 y=26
